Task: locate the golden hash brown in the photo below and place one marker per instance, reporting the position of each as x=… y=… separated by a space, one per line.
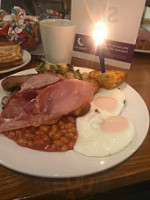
x=111 y=79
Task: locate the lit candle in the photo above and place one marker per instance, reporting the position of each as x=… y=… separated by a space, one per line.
x=99 y=34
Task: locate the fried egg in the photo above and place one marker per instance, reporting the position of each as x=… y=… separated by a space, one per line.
x=98 y=136
x=108 y=102
x=103 y=131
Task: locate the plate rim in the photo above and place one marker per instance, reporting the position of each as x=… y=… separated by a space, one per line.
x=142 y=51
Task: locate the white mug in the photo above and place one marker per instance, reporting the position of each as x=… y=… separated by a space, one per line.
x=58 y=39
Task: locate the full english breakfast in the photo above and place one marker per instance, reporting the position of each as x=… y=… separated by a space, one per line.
x=59 y=108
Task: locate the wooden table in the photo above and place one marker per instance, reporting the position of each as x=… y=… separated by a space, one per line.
x=136 y=169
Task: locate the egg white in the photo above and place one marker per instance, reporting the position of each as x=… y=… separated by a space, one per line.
x=93 y=141
x=116 y=96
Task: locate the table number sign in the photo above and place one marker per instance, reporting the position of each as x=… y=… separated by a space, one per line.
x=122 y=19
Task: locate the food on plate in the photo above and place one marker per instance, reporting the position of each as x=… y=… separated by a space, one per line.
x=143 y=39
x=12 y=83
x=67 y=70
x=98 y=136
x=143 y=44
x=60 y=136
x=111 y=79
x=31 y=81
x=108 y=102
x=103 y=131
x=10 y=55
x=41 y=80
x=94 y=83
x=46 y=105
x=46 y=66
x=60 y=108
x=24 y=82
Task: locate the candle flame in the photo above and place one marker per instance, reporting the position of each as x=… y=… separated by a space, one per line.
x=100 y=32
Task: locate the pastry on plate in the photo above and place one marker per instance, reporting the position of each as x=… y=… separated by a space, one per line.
x=11 y=55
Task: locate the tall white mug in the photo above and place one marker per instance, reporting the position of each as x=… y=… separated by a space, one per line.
x=58 y=39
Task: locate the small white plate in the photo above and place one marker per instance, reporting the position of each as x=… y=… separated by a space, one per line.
x=70 y=163
x=26 y=60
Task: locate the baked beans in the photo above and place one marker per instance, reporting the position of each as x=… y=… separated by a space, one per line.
x=58 y=137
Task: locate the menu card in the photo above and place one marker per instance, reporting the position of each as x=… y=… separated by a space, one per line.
x=122 y=19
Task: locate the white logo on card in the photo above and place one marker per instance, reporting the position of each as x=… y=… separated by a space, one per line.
x=80 y=41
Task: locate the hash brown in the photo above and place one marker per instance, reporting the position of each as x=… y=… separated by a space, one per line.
x=111 y=79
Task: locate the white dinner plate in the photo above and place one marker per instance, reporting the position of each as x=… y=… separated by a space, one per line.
x=70 y=163
x=26 y=60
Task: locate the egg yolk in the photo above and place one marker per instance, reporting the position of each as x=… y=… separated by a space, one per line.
x=115 y=124
x=106 y=103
